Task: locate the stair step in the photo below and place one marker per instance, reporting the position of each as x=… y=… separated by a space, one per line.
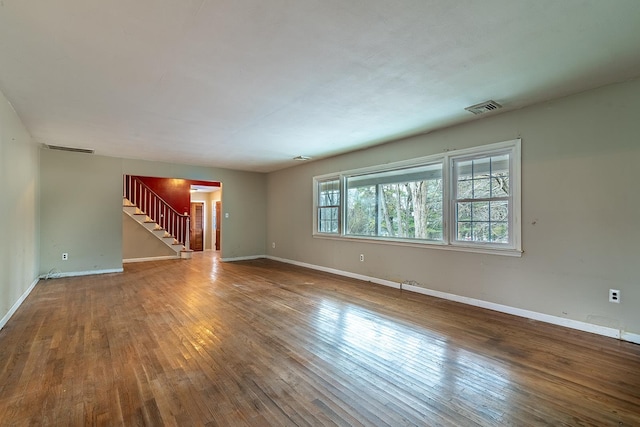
x=177 y=247
x=132 y=210
x=150 y=225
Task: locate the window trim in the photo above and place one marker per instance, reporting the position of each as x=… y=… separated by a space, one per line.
x=448 y=242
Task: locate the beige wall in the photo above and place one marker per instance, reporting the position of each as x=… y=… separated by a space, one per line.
x=19 y=210
x=139 y=243
x=82 y=209
x=81 y=212
x=580 y=212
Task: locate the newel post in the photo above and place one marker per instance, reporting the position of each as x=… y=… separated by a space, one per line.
x=187 y=233
x=186 y=253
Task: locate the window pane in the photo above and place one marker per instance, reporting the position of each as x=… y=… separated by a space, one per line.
x=464 y=231
x=481 y=168
x=403 y=203
x=361 y=211
x=500 y=165
x=465 y=188
x=464 y=211
x=499 y=211
x=480 y=211
x=482 y=188
x=480 y=231
x=499 y=186
x=329 y=193
x=464 y=177
x=328 y=220
x=499 y=232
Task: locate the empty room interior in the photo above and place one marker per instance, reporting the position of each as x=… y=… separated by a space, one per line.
x=388 y=213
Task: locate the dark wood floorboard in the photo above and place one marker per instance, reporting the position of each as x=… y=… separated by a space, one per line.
x=260 y=343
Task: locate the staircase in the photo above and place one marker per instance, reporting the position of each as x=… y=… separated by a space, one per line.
x=157 y=216
x=153 y=227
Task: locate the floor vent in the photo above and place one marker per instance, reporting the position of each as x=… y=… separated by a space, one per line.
x=74 y=150
x=484 y=107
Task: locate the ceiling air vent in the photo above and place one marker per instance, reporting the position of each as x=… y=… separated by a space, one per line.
x=484 y=107
x=74 y=150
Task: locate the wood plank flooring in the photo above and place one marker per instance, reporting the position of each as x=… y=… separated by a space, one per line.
x=260 y=343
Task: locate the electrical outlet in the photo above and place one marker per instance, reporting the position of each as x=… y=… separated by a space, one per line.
x=614 y=295
x=273 y=245
x=65 y=256
x=361 y=257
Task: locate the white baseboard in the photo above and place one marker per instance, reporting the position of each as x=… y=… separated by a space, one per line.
x=533 y=315
x=243 y=258
x=155 y=258
x=80 y=273
x=631 y=337
x=18 y=303
x=339 y=272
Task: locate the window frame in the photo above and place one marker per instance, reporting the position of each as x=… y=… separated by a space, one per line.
x=317 y=206
x=449 y=226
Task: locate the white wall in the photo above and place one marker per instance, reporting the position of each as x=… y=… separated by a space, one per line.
x=19 y=211
x=580 y=213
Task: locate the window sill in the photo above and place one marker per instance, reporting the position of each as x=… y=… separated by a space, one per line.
x=489 y=250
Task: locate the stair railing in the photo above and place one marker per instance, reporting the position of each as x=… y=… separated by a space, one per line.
x=154 y=206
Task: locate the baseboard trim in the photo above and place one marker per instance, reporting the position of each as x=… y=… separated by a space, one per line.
x=243 y=258
x=338 y=272
x=631 y=337
x=18 y=303
x=155 y=258
x=80 y=273
x=533 y=315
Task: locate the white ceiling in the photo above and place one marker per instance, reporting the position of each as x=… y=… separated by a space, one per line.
x=250 y=84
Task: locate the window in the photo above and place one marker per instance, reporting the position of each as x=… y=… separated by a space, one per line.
x=481 y=199
x=463 y=200
x=404 y=203
x=328 y=215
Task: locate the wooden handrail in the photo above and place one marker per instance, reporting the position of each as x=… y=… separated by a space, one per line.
x=156 y=208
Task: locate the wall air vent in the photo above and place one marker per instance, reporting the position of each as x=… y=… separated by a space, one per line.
x=74 y=150
x=484 y=107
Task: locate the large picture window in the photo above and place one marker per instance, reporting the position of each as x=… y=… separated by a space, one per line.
x=464 y=200
x=404 y=203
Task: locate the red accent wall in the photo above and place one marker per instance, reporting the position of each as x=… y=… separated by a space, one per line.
x=174 y=191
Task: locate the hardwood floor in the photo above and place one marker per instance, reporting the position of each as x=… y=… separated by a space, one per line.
x=261 y=343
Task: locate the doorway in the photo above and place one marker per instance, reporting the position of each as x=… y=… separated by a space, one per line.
x=196 y=231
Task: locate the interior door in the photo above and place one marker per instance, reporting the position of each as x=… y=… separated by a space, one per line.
x=218 y=220
x=197 y=221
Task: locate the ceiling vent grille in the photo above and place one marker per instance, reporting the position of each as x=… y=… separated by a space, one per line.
x=73 y=150
x=484 y=107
